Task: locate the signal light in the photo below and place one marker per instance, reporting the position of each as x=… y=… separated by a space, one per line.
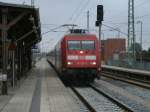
x=97 y=23
x=100 y=13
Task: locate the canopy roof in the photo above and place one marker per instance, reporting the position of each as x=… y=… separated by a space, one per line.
x=21 y=22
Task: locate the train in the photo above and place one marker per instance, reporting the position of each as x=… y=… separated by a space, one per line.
x=77 y=57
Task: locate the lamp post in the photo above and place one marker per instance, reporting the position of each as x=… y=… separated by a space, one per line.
x=141 y=34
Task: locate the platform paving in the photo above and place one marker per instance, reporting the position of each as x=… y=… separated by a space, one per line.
x=55 y=96
x=21 y=101
x=41 y=91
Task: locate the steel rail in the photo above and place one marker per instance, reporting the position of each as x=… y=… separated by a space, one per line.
x=134 y=73
x=127 y=80
x=111 y=98
x=87 y=104
x=84 y=101
x=129 y=76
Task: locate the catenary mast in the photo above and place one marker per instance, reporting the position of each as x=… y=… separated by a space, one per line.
x=32 y=2
x=131 y=28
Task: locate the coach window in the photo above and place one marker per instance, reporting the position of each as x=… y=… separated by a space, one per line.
x=74 y=45
x=88 y=45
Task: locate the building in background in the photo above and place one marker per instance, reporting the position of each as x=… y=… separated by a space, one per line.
x=112 y=49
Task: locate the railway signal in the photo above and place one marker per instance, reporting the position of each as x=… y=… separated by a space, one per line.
x=100 y=14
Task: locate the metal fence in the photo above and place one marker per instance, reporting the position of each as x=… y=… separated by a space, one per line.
x=130 y=64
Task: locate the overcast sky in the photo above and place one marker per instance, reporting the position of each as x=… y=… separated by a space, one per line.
x=58 y=12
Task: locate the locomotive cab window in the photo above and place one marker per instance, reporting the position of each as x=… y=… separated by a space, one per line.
x=74 y=45
x=88 y=45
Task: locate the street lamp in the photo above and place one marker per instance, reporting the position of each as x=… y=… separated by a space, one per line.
x=141 y=34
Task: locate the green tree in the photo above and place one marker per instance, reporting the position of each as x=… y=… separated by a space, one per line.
x=138 y=47
x=149 y=50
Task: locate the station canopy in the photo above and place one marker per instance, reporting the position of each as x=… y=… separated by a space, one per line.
x=20 y=23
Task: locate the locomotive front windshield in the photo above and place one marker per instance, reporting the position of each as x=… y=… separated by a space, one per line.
x=87 y=45
x=81 y=45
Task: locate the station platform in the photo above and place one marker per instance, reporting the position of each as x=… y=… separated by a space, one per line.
x=41 y=91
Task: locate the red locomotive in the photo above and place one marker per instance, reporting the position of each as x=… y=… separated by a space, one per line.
x=77 y=56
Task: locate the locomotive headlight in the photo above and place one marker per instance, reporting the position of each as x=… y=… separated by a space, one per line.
x=94 y=63
x=69 y=63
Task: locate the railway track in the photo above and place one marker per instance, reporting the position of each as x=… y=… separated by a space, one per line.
x=98 y=101
x=134 y=81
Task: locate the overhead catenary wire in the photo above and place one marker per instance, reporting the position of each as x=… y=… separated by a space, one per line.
x=79 y=14
x=125 y=23
x=145 y=15
x=76 y=9
x=48 y=24
x=136 y=6
x=113 y=28
x=52 y=30
x=137 y=17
